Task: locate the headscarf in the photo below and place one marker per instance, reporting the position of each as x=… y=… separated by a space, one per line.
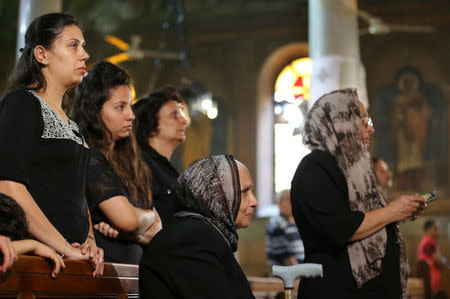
x=334 y=125
x=210 y=190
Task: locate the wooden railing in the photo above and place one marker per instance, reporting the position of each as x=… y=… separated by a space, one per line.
x=30 y=278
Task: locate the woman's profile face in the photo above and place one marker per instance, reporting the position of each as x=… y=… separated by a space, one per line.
x=248 y=199
x=172 y=122
x=116 y=112
x=367 y=128
x=66 y=58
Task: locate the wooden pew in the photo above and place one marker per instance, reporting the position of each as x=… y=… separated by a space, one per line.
x=31 y=278
x=423 y=271
x=267 y=287
x=415 y=288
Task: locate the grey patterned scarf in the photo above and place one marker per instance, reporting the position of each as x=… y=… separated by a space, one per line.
x=211 y=190
x=334 y=125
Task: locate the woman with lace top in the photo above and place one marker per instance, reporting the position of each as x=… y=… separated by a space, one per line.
x=43 y=156
x=118 y=189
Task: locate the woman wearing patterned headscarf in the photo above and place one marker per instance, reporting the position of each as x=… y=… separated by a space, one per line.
x=340 y=211
x=192 y=257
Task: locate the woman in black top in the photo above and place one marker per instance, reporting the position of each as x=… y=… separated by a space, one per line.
x=43 y=156
x=118 y=191
x=160 y=124
x=192 y=257
x=340 y=211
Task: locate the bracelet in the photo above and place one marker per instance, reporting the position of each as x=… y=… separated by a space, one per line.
x=90 y=237
x=65 y=247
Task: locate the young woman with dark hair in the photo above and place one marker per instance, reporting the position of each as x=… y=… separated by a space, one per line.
x=159 y=128
x=118 y=189
x=43 y=156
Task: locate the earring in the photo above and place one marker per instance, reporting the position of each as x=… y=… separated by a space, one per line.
x=45 y=63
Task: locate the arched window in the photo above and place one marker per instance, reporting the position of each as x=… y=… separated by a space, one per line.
x=291 y=94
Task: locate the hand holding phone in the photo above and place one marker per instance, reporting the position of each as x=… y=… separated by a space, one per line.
x=430 y=196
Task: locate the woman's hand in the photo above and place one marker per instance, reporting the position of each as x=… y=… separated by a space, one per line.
x=89 y=251
x=29 y=246
x=407 y=206
x=106 y=230
x=49 y=253
x=9 y=254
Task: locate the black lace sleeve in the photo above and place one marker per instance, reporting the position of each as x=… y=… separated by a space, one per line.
x=102 y=182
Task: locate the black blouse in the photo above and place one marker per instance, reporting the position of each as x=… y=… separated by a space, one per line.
x=48 y=156
x=102 y=184
x=321 y=210
x=164 y=176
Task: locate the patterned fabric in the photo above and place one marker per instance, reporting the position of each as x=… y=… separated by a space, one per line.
x=333 y=124
x=283 y=241
x=210 y=189
x=54 y=127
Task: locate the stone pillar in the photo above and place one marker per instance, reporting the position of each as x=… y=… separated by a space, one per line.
x=28 y=11
x=334 y=48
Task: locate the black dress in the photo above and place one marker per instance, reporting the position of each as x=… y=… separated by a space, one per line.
x=102 y=184
x=49 y=157
x=191 y=259
x=164 y=176
x=322 y=213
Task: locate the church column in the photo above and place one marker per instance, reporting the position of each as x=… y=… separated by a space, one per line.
x=334 y=48
x=28 y=11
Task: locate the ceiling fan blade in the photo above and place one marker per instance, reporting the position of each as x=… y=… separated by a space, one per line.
x=411 y=28
x=168 y=55
x=365 y=15
x=118 y=58
x=117 y=42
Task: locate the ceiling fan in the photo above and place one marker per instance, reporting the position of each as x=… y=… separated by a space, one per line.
x=133 y=51
x=378 y=27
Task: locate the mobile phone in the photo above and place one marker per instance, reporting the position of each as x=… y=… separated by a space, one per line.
x=430 y=196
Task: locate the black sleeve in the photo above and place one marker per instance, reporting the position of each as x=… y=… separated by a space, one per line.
x=187 y=265
x=20 y=129
x=102 y=181
x=323 y=204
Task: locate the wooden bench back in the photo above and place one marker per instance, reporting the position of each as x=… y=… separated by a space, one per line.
x=30 y=278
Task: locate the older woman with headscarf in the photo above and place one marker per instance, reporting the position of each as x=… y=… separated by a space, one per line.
x=192 y=256
x=340 y=211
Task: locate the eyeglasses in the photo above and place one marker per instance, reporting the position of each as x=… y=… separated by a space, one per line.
x=367 y=120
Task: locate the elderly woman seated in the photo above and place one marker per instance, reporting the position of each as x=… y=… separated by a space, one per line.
x=192 y=257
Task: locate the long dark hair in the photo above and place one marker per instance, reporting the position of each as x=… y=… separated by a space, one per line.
x=146 y=112
x=42 y=32
x=85 y=108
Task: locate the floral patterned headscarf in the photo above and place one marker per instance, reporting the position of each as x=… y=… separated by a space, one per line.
x=210 y=189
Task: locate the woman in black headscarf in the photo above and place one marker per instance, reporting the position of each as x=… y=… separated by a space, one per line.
x=192 y=257
x=343 y=219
